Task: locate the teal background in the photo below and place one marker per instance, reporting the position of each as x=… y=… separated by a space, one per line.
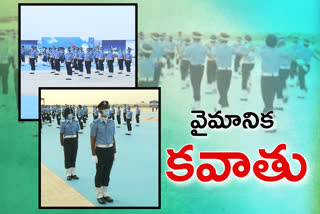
x=19 y=141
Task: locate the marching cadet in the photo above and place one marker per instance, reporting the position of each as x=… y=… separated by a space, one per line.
x=58 y=111
x=33 y=56
x=179 y=44
x=270 y=63
x=198 y=54
x=101 y=60
x=304 y=54
x=75 y=60
x=146 y=65
x=128 y=119
x=57 y=56
x=120 y=60
x=103 y=148
x=137 y=116
x=88 y=57
x=62 y=56
x=211 y=68
x=119 y=117
x=110 y=60
x=247 y=58
x=170 y=50
x=223 y=54
x=158 y=54
x=293 y=67
x=124 y=114
x=52 y=61
x=128 y=61
x=80 y=61
x=69 y=59
x=112 y=112
x=95 y=113
x=238 y=57
x=69 y=142
x=22 y=55
x=185 y=63
x=96 y=58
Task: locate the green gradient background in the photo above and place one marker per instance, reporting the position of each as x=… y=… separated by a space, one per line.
x=19 y=141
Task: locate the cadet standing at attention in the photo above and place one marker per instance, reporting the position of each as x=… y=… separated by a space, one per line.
x=88 y=57
x=75 y=60
x=120 y=61
x=69 y=142
x=52 y=53
x=80 y=61
x=96 y=58
x=119 y=117
x=110 y=60
x=137 y=116
x=112 y=112
x=198 y=53
x=57 y=61
x=223 y=53
x=128 y=119
x=22 y=55
x=33 y=55
x=101 y=60
x=69 y=59
x=103 y=148
x=128 y=58
x=124 y=114
x=58 y=115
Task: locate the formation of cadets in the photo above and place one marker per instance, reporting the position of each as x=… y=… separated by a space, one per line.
x=75 y=58
x=102 y=138
x=54 y=112
x=285 y=61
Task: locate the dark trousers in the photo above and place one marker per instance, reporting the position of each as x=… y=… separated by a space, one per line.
x=223 y=84
x=88 y=66
x=84 y=118
x=196 y=72
x=80 y=65
x=120 y=62
x=184 y=69
x=211 y=71
x=110 y=65
x=4 y=73
x=95 y=116
x=52 y=64
x=119 y=119
x=70 y=147
x=105 y=161
x=124 y=117
x=293 y=69
x=301 y=77
x=237 y=62
x=129 y=124
x=81 y=122
x=138 y=118
x=32 y=63
x=157 y=74
x=48 y=118
x=283 y=75
x=128 y=64
x=246 y=70
x=101 y=68
x=23 y=58
x=169 y=57
x=96 y=60
x=57 y=64
x=268 y=90
x=112 y=116
x=75 y=64
x=53 y=115
x=58 y=118
x=69 y=69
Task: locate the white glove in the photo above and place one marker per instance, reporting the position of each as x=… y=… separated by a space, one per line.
x=95 y=159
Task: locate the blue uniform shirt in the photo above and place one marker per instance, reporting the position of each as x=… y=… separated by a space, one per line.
x=96 y=53
x=197 y=53
x=138 y=111
x=57 y=54
x=75 y=54
x=33 y=53
x=129 y=115
x=23 y=51
x=223 y=54
x=69 y=127
x=58 y=110
x=118 y=111
x=128 y=56
x=80 y=55
x=120 y=55
x=110 y=56
x=101 y=55
x=103 y=131
x=95 y=111
x=88 y=56
x=271 y=60
x=113 y=110
x=69 y=57
x=146 y=67
x=305 y=54
x=125 y=110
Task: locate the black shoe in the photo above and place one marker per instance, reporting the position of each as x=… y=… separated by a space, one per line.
x=75 y=177
x=101 y=201
x=69 y=178
x=108 y=199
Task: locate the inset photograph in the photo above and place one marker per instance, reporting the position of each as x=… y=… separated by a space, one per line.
x=99 y=148
x=87 y=45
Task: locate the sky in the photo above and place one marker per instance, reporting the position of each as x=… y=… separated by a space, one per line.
x=100 y=22
x=93 y=96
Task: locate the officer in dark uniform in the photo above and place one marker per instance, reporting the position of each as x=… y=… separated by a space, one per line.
x=128 y=119
x=69 y=142
x=103 y=148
